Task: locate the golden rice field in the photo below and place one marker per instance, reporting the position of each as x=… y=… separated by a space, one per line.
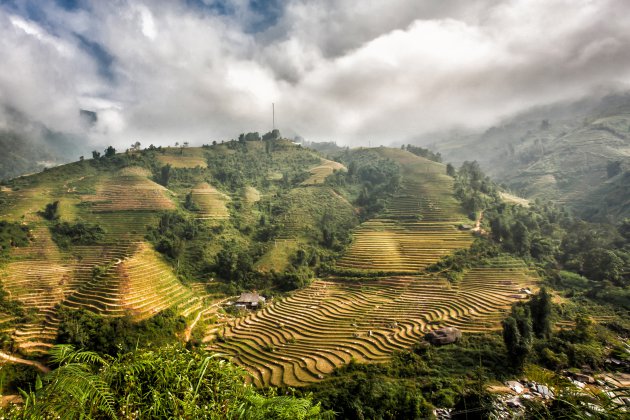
x=132 y=279
x=418 y=227
x=126 y=192
x=210 y=202
x=321 y=171
x=300 y=339
x=183 y=158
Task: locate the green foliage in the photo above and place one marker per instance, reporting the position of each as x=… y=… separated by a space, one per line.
x=453 y=266
x=190 y=204
x=169 y=382
x=234 y=263
x=51 y=211
x=517 y=337
x=414 y=381
x=110 y=152
x=12 y=235
x=80 y=233
x=474 y=189
x=540 y=309
x=247 y=166
x=14 y=377
x=548 y=235
x=173 y=229
x=425 y=153
x=111 y=336
x=370 y=180
x=165 y=175
x=450 y=170
x=249 y=137
x=272 y=135
x=295 y=278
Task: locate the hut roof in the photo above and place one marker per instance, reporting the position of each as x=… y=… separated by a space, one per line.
x=250 y=298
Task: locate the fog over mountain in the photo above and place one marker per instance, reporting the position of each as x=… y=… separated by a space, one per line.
x=354 y=72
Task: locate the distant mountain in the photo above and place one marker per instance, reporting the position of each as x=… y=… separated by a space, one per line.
x=576 y=154
x=27 y=146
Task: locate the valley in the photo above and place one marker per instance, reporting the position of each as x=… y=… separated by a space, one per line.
x=359 y=258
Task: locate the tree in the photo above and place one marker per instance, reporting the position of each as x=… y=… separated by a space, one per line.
x=540 y=305
x=96 y=155
x=272 y=135
x=603 y=264
x=583 y=328
x=190 y=203
x=517 y=338
x=51 y=211
x=450 y=170
x=165 y=174
x=521 y=238
x=110 y=152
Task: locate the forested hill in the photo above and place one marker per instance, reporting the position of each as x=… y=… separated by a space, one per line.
x=576 y=154
x=28 y=146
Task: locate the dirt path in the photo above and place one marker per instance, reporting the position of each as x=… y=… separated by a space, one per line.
x=188 y=331
x=477 y=227
x=14 y=359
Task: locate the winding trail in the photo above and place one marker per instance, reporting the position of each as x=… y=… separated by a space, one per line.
x=477 y=227
x=188 y=331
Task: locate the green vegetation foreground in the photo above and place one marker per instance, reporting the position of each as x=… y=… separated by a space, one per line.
x=170 y=382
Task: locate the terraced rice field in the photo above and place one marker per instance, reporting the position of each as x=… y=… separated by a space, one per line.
x=134 y=279
x=300 y=339
x=417 y=228
x=186 y=158
x=210 y=201
x=127 y=192
x=38 y=278
x=140 y=285
x=321 y=171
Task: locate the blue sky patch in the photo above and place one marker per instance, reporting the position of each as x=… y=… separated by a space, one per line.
x=102 y=57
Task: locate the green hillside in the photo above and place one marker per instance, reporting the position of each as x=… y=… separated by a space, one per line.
x=568 y=153
x=360 y=254
x=28 y=146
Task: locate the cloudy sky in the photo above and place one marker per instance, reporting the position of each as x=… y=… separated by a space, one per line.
x=352 y=71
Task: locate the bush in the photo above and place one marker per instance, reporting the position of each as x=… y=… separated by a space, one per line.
x=111 y=336
x=81 y=233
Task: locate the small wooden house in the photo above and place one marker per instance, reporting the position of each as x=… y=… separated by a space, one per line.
x=249 y=300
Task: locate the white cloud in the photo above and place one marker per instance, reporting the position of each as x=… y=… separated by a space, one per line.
x=336 y=69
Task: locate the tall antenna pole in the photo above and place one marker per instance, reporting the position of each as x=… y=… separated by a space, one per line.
x=273 y=116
